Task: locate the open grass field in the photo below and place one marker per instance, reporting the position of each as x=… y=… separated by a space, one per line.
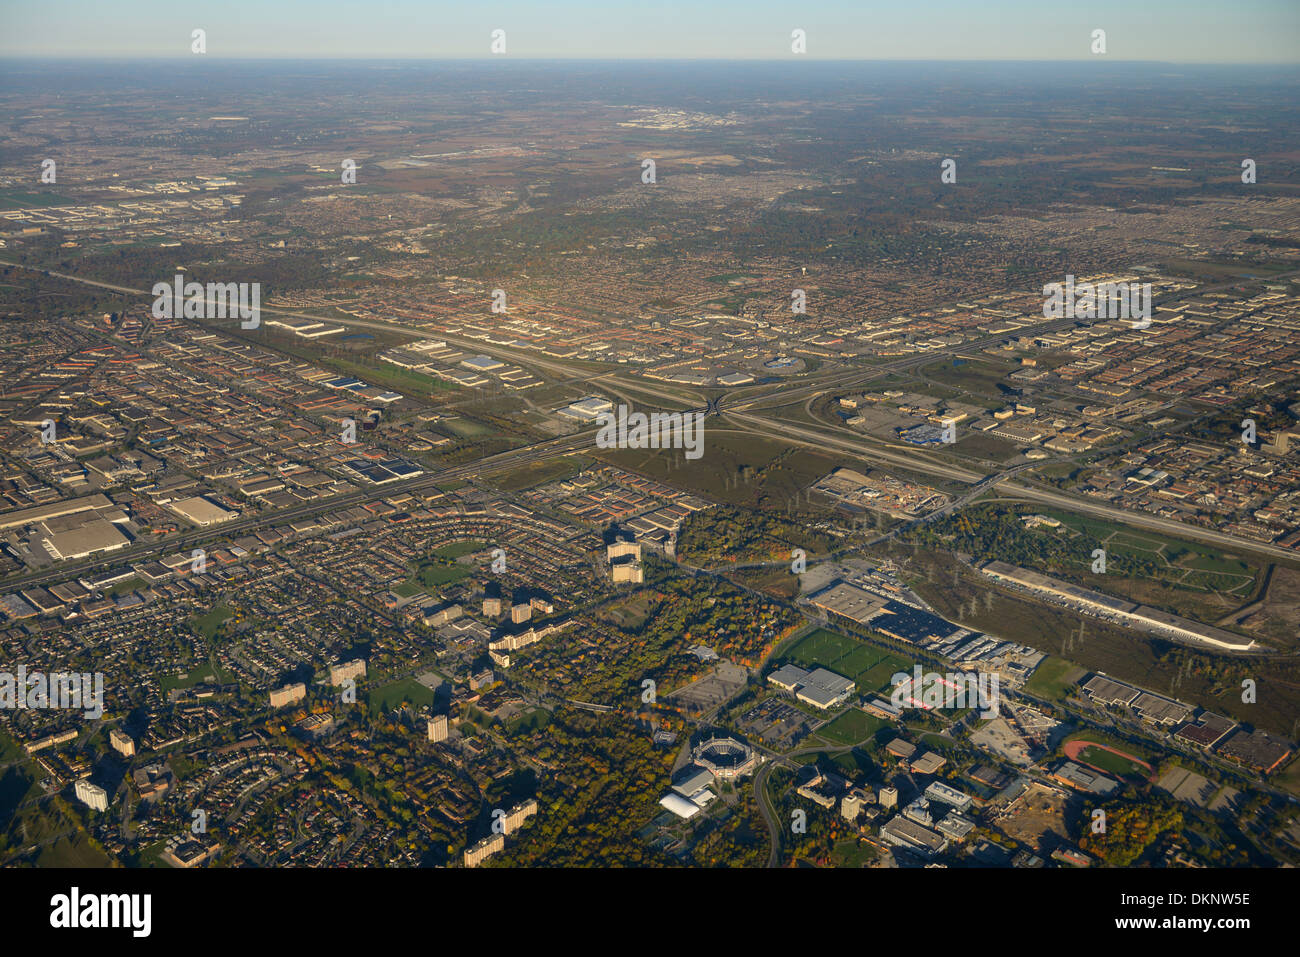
x=971 y=375
x=851 y=727
x=869 y=667
x=197 y=675
x=56 y=835
x=1289 y=777
x=1054 y=678
x=17 y=785
x=1183 y=565
x=736 y=467
x=125 y=587
x=538 y=473
x=532 y=720
x=440 y=568
x=406 y=381
x=9 y=749
x=390 y=696
x=778 y=582
x=631 y=613
x=1120 y=652
x=209 y=624
x=26 y=199
x=72 y=851
x=465 y=428
x=986 y=447
x=852 y=853
x=436 y=575
x=458 y=549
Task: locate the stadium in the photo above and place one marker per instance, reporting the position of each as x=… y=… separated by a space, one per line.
x=725 y=757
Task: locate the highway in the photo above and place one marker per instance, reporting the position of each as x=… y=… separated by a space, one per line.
x=872 y=452
x=736 y=407
x=555 y=367
x=738 y=399
x=65 y=570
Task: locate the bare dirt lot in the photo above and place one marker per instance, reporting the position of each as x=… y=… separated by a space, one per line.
x=1277 y=618
x=1036 y=819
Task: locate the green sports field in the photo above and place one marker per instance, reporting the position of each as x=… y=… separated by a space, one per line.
x=869 y=667
x=851 y=727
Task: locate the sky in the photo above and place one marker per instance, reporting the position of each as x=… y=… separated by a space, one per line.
x=1178 y=31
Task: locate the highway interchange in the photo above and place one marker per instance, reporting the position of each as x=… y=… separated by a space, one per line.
x=736 y=409
x=762 y=410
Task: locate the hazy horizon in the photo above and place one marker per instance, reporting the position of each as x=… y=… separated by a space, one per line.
x=1249 y=32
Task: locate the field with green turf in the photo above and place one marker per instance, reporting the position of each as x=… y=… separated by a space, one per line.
x=538 y=474
x=209 y=624
x=26 y=199
x=458 y=549
x=1053 y=678
x=852 y=853
x=439 y=568
x=201 y=673
x=434 y=574
x=1097 y=737
x=75 y=851
x=979 y=375
x=1180 y=563
x=738 y=468
x=852 y=727
x=1114 y=763
x=125 y=587
x=466 y=428
x=529 y=721
x=390 y=696
x=869 y=667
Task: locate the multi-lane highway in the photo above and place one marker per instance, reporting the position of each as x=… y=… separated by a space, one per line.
x=874 y=451
x=175 y=543
x=737 y=409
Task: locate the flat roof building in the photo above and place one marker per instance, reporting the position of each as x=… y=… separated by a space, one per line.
x=938 y=791
x=289 y=694
x=91 y=795
x=349 y=669
x=477 y=853
x=902 y=832
x=201 y=511
x=587 y=409
x=438 y=728
x=121 y=743
x=96 y=535
x=820 y=688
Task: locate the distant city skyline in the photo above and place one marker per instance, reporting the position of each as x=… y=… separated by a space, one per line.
x=1194 y=31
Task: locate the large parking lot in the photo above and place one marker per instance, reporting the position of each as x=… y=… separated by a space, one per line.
x=776 y=724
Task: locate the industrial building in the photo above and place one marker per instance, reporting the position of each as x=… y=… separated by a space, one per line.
x=820 y=688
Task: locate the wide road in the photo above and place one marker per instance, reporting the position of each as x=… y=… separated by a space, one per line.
x=540 y=450
x=742 y=401
x=682 y=396
x=870 y=451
